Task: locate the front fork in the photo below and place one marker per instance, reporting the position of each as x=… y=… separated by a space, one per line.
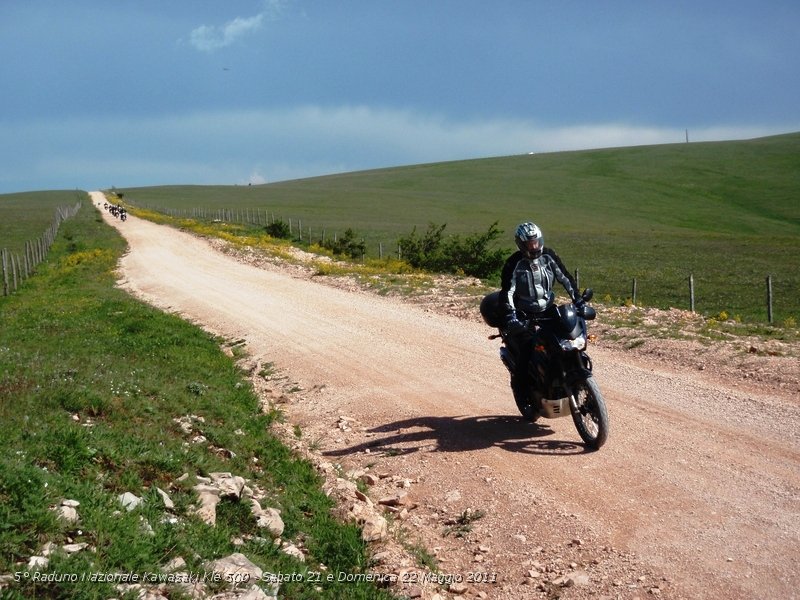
x=508 y=359
x=579 y=372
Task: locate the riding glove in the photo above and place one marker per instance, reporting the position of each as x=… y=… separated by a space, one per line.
x=513 y=324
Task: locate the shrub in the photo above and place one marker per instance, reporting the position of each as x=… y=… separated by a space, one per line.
x=279 y=229
x=471 y=255
x=424 y=252
x=347 y=245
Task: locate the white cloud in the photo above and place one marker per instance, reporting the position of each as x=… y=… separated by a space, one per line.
x=208 y=38
x=256 y=178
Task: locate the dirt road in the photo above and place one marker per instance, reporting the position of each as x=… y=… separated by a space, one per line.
x=695 y=495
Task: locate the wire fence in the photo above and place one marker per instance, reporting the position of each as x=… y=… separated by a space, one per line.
x=689 y=294
x=17 y=268
x=262 y=217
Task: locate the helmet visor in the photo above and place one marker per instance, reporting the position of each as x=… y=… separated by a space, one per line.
x=533 y=247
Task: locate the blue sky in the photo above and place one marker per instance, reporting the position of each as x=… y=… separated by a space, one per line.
x=101 y=93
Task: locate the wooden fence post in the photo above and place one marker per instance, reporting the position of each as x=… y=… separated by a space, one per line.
x=633 y=292
x=691 y=292
x=5 y=273
x=769 y=298
x=13 y=272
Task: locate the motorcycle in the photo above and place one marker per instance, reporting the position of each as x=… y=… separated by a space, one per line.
x=559 y=369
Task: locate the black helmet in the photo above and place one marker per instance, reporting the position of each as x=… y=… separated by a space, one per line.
x=530 y=240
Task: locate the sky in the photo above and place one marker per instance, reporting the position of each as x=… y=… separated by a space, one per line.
x=124 y=93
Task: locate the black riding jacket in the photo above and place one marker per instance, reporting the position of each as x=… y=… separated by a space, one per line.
x=527 y=284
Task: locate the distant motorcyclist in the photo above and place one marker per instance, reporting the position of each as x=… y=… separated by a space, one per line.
x=527 y=292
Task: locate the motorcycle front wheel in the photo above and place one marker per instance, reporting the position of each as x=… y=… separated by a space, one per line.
x=589 y=413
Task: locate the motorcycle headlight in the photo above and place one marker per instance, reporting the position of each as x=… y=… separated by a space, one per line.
x=577 y=344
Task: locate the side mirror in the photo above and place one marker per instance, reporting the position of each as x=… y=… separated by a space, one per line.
x=588 y=294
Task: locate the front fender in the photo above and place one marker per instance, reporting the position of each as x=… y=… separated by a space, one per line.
x=587 y=362
x=575 y=376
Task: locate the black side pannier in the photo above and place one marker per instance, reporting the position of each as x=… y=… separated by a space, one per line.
x=490 y=310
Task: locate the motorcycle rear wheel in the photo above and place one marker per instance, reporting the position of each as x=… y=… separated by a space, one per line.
x=589 y=413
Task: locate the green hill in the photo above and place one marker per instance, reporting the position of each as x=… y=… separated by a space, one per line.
x=726 y=212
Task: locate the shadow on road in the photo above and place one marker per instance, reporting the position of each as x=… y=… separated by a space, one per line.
x=461 y=434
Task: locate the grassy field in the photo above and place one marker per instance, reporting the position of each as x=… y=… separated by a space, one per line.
x=91 y=382
x=725 y=212
x=25 y=216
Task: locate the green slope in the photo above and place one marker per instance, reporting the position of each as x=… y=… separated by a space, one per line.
x=726 y=212
x=752 y=184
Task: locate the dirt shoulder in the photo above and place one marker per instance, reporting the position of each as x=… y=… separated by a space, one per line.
x=694 y=496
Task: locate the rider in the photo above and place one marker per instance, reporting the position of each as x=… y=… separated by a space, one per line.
x=527 y=291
